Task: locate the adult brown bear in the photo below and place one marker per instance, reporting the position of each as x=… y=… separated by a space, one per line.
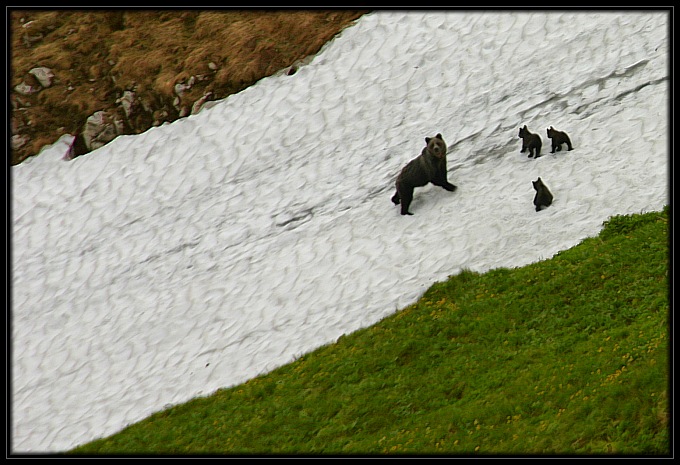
x=429 y=166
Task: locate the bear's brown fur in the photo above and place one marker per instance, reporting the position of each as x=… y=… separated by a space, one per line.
x=531 y=142
x=429 y=166
x=543 y=197
x=558 y=138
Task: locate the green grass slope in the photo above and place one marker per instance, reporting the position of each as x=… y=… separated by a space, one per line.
x=564 y=356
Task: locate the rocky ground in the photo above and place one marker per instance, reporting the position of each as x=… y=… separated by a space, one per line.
x=103 y=73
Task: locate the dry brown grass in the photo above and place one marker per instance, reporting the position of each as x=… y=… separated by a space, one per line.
x=96 y=55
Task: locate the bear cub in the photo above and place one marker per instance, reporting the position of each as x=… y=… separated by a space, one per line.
x=543 y=197
x=429 y=166
x=531 y=142
x=558 y=138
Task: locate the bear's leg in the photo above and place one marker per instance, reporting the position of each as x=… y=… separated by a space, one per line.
x=569 y=147
x=442 y=182
x=395 y=198
x=448 y=186
x=554 y=146
x=406 y=197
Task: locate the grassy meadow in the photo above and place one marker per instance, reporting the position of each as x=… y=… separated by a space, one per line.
x=567 y=356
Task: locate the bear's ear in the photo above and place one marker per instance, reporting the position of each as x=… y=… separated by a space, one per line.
x=525 y=126
x=539 y=179
x=439 y=136
x=427 y=140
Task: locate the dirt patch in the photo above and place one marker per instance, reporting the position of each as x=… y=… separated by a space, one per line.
x=169 y=59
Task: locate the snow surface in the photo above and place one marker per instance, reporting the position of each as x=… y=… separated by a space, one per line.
x=202 y=253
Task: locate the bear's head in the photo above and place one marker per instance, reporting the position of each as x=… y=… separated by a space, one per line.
x=523 y=131
x=551 y=132
x=537 y=183
x=436 y=146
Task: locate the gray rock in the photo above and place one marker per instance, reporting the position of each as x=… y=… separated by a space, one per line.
x=198 y=104
x=127 y=101
x=43 y=75
x=180 y=87
x=18 y=141
x=100 y=129
x=30 y=85
x=24 y=89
